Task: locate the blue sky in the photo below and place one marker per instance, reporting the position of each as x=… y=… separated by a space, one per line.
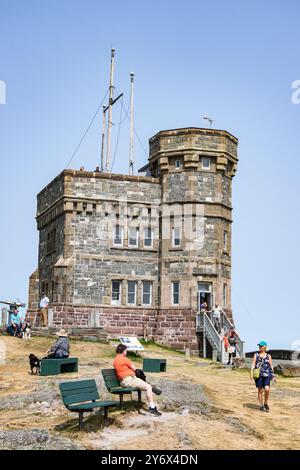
x=233 y=60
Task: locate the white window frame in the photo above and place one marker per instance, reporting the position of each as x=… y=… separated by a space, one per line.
x=151 y=231
x=173 y=284
x=209 y=163
x=114 y=235
x=116 y=302
x=137 y=236
x=177 y=166
x=150 y=293
x=135 y=293
x=225 y=241
x=177 y=238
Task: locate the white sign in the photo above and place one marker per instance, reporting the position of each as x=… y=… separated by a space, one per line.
x=132 y=343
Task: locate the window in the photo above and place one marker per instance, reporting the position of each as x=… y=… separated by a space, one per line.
x=224 y=295
x=118 y=235
x=133 y=236
x=175 y=293
x=148 y=237
x=147 y=293
x=51 y=238
x=206 y=163
x=176 y=237
x=131 y=292
x=177 y=164
x=225 y=241
x=116 y=292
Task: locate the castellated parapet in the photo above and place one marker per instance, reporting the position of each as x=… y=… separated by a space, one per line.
x=134 y=254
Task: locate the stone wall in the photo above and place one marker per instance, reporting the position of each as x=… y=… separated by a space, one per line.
x=174 y=328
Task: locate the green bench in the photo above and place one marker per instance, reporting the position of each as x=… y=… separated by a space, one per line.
x=113 y=386
x=154 y=365
x=59 y=366
x=81 y=396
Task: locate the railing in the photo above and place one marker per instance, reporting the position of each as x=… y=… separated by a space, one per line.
x=205 y=325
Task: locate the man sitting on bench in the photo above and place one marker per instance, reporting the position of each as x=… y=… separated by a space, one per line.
x=125 y=372
x=61 y=348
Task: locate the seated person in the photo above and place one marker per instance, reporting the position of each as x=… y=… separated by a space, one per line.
x=125 y=372
x=14 y=328
x=61 y=348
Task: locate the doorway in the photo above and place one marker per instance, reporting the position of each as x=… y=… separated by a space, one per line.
x=205 y=295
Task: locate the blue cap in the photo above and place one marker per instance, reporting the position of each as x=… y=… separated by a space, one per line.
x=262 y=343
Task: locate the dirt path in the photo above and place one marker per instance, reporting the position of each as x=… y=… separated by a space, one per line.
x=204 y=406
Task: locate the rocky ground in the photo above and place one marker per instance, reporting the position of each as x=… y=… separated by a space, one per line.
x=204 y=406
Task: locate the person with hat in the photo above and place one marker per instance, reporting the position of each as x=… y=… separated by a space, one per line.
x=61 y=348
x=262 y=372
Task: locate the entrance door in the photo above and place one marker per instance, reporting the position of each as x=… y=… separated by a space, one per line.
x=205 y=294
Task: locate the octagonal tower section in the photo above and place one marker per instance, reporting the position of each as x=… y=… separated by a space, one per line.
x=196 y=167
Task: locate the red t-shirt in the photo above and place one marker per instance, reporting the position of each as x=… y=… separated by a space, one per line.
x=122 y=366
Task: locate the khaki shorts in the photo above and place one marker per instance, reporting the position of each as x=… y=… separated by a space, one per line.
x=132 y=381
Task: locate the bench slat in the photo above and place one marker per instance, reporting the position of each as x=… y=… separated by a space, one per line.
x=73 y=385
x=71 y=399
x=90 y=406
x=81 y=391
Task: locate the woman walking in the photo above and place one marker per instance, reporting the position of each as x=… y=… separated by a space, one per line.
x=262 y=372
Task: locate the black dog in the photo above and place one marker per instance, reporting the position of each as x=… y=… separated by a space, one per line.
x=35 y=363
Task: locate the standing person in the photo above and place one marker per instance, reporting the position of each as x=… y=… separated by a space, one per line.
x=61 y=348
x=217 y=320
x=125 y=371
x=203 y=305
x=44 y=304
x=262 y=372
x=14 y=328
x=232 y=340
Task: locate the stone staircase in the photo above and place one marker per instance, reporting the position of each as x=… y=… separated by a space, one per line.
x=82 y=333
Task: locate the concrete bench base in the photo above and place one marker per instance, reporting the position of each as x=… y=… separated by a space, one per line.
x=59 y=366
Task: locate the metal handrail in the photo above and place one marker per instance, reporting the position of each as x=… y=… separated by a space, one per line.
x=204 y=322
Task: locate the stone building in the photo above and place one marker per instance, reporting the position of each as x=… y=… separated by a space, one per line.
x=135 y=254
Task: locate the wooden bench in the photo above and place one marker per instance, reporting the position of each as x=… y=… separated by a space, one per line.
x=59 y=366
x=113 y=386
x=81 y=396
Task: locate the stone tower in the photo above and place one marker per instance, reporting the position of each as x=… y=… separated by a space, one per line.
x=141 y=267
x=196 y=167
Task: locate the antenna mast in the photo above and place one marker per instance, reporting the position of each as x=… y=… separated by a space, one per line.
x=131 y=156
x=111 y=91
x=103 y=138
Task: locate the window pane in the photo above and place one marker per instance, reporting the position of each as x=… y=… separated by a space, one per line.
x=118 y=235
x=131 y=292
x=116 y=291
x=133 y=236
x=148 y=237
x=204 y=287
x=176 y=237
x=225 y=240
x=205 y=162
x=147 y=287
x=175 y=288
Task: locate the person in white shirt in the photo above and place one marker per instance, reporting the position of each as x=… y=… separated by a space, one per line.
x=216 y=313
x=44 y=303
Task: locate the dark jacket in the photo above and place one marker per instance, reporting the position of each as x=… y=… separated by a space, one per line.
x=61 y=348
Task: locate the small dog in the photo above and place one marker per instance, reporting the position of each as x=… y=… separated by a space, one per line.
x=35 y=363
x=26 y=334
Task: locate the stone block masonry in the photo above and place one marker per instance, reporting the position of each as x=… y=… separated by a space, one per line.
x=134 y=254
